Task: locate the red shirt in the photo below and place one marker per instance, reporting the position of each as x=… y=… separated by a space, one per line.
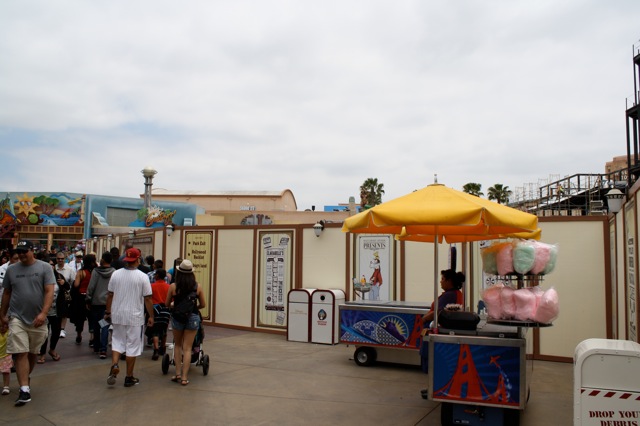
x=159 y=290
x=84 y=283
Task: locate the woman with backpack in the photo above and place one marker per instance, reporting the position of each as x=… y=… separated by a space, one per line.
x=185 y=298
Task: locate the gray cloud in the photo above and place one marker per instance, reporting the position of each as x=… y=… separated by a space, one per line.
x=315 y=97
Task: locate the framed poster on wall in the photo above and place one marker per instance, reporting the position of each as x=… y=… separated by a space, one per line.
x=631 y=260
x=274 y=277
x=374 y=265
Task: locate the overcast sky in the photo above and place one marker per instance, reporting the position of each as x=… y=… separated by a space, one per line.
x=314 y=97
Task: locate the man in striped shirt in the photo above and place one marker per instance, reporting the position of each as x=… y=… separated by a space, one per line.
x=129 y=295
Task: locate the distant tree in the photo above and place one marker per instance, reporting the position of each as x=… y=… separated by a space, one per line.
x=473 y=188
x=499 y=193
x=371 y=193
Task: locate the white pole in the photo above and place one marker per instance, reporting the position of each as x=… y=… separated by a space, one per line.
x=435 y=285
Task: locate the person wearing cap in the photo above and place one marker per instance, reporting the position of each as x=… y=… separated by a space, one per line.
x=129 y=294
x=27 y=298
x=184 y=333
x=76 y=263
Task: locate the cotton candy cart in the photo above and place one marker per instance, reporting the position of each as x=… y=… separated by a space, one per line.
x=436 y=213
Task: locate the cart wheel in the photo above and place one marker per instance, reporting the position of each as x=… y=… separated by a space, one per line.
x=365 y=356
x=511 y=417
x=205 y=365
x=165 y=363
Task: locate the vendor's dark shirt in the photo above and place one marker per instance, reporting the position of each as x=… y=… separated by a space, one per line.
x=447 y=298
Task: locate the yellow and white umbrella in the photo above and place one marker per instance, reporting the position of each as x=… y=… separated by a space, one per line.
x=436 y=213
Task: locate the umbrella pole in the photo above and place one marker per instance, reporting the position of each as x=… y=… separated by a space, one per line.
x=435 y=285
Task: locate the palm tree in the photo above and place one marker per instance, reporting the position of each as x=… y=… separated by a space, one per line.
x=500 y=193
x=371 y=193
x=473 y=188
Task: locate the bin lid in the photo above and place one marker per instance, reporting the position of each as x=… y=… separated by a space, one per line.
x=302 y=295
x=328 y=296
x=590 y=347
x=607 y=364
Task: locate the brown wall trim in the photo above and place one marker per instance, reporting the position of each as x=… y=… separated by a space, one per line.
x=401 y=265
x=238 y=327
x=572 y=218
x=254 y=283
x=214 y=280
x=551 y=358
x=298 y=249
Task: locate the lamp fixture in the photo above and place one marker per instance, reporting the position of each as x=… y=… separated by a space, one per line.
x=318 y=228
x=109 y=237
x=615 y=199
x=169 y=230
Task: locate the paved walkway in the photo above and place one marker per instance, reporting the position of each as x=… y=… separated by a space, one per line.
x=254 y=379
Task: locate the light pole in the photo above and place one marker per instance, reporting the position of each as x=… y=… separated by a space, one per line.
x=148 y=172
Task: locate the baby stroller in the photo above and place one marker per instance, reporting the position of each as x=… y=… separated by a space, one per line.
x=198 y=357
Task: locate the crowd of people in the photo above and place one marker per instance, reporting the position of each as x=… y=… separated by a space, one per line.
x=125 y=301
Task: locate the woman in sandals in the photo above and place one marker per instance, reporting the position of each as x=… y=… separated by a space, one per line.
x=184 y=332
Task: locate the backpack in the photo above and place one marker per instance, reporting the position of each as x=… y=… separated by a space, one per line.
x=185 y=307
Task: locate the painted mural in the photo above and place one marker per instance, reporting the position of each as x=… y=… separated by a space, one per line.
x=7 y=217
x=47 y=209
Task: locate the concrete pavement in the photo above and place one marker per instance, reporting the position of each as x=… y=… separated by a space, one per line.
x=254 y=379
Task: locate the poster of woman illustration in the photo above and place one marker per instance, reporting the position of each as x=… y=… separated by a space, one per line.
x=374 y=265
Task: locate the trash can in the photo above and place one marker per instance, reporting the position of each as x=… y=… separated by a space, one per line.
x=606 y=379
x=325 y=316
x=298 y=308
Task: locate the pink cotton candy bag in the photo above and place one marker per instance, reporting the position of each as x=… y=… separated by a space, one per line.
x=508 y=302
x=492 y=301
x=548 y=307
x=504 y=259
x=525 y=301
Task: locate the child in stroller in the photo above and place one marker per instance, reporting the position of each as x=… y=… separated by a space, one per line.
x=158 y=333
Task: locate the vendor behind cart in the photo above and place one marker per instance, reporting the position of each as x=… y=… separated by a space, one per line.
x=451 y=282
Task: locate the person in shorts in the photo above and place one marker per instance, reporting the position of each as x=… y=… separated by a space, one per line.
x=28 y=295
x=129 y=294
x=184 y=332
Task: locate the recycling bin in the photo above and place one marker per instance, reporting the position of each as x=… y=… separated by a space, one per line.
x=298 y=320
x=325 y=316
x=606 y=379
